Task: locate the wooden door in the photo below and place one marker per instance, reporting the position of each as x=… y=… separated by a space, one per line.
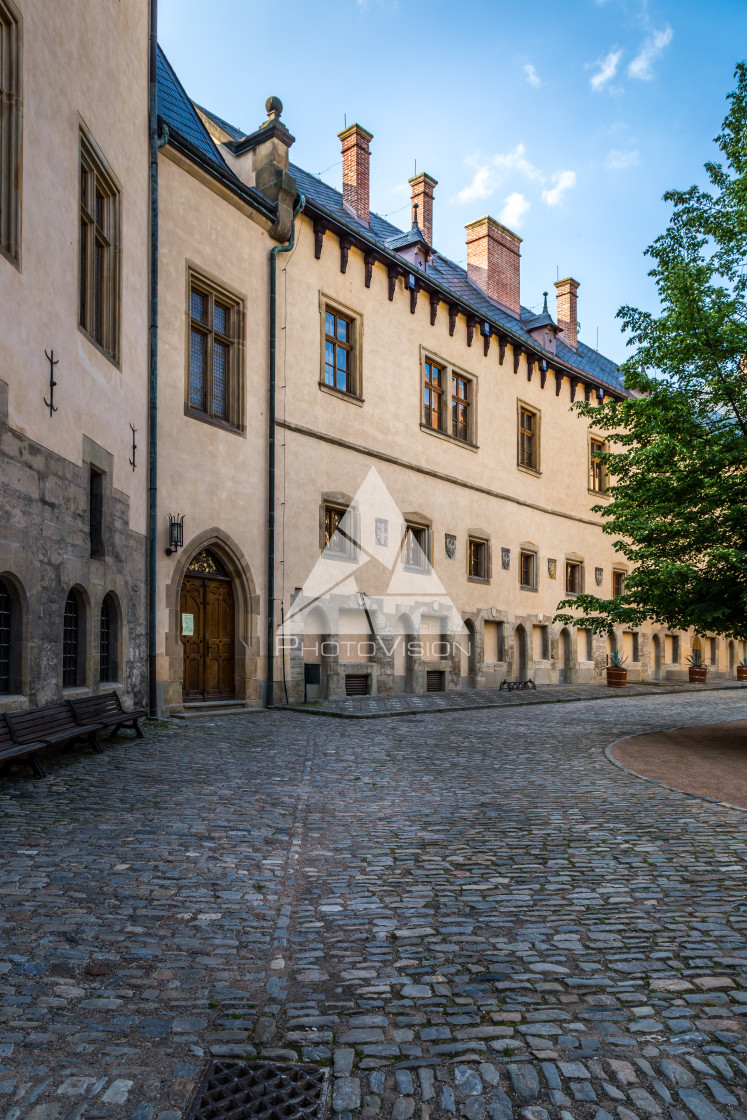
x=207 y=635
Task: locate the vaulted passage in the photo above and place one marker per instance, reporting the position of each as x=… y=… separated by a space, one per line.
x=207 y=630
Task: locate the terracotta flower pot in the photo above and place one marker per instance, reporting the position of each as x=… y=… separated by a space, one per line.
x=616 y=677
x=698 y=674
x=742 y=672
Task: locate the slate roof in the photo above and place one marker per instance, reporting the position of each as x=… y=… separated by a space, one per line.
x=183 y=121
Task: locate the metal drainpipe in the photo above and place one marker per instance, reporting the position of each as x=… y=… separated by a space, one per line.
x=153 y=362
x=270 y=699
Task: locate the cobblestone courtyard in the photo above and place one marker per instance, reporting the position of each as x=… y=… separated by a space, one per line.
x=464 y=914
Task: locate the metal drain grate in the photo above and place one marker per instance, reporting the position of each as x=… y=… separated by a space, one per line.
x=231 y=1090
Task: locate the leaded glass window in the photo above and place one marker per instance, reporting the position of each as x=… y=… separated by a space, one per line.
x=99 y=253
x=214 y=353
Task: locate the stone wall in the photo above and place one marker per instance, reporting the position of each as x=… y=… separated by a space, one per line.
x=45 y=552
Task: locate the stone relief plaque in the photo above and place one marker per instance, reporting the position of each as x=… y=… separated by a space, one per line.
x=552 y=568
x=382 y=532
x=599 y=576
x=506 y=558
x=450 y=544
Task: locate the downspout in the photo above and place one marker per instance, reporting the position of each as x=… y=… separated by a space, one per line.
x=270 y=699
x=153 y=362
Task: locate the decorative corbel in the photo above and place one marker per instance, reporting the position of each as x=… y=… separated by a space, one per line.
x=587 y=393
x=574 y=386
x=558 y=382
x=368 y=262
x=345 y=244
x=517 y=357
x=502 y=342
x=393 y=274
x=486 y=342
x=414 y=296
x=319 y=231
x=470 y=329
x=435 y=300
x=453 y=312
x=531 y=359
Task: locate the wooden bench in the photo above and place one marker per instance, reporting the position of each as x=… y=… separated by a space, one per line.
x=107 y=711
x=52 y=725
x=10 y=748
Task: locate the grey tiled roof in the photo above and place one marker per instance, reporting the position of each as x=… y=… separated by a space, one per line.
x=181 y=116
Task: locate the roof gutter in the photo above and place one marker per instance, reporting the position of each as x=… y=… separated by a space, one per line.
x=271 y=423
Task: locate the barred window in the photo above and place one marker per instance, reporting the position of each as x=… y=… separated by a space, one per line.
x=100 y=251
x=72 y=653
x=10 y=131
x=6 y=637
x=214 y=389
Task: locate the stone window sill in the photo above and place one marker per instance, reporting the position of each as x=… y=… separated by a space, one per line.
x=351 y=398
x=467 y=444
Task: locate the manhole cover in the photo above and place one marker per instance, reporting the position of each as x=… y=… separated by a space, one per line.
x=232 y=1090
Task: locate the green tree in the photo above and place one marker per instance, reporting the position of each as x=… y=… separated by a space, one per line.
x=677 y=456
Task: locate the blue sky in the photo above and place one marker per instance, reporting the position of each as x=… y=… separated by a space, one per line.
x=567 y=121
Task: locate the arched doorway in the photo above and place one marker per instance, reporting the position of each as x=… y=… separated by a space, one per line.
x=566 y=657
x=207 y=616
x=656 y=643
x=520 y=653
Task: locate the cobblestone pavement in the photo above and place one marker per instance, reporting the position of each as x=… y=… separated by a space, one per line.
x=465 y=914
x=376 y=707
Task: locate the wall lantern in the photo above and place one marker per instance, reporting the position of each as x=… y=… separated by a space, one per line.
x=542 y=365
x=600 y=394
x=485 y=328
x=176 y=533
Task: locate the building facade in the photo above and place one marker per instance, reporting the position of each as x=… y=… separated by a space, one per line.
x=74 y=245
x=413 y=419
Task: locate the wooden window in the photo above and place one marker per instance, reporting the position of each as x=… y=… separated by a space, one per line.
x=416 y=554
x=528 y=436
x=6 y=637
x=573 y=577
x=96 y=513
x=433 y=395
x=71 y=651
x=596 y=470
x=100 y=251
x=338 y=537
x=338 y=352
x=10 y=131
x=477 y=559
x=460 y=404
x=214 y=381
x=528 y=570
x=618 y=583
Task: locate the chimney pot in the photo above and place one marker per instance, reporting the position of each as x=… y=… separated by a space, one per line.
x=494 y=261
x=567 y=291
x=355 y=159
x=422 y=203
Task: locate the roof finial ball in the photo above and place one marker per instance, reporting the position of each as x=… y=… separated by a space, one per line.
x=274 y=107
x=545 y=295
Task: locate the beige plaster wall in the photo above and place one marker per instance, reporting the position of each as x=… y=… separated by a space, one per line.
x=84 y=60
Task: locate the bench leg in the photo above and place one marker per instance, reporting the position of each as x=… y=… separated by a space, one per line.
x=38 y=768
x=94 y=741
x=138 y=732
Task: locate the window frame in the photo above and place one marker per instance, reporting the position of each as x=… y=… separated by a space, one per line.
x=440 y=391
x=450 y=375
x=99 y=311
x=483 y=544
x=618 y=574
x=11 y=132
x=350 y=549
x=534 y=466
x=532 y=555
x=465 y=402
x=595 y=467
x=354 y=348
x=577 y=566
x=204 y=284
x=411 y=528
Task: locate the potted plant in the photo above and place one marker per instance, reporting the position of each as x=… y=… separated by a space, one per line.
x=617 y=675
x=742 y=670
x=698 y=670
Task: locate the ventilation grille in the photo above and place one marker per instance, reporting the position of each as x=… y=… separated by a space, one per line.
x=356 y=685
x=231 y=1090
x=434 y=681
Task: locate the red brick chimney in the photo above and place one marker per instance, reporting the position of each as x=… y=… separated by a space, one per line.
x=355 y=157
x=567 y=309
x=493 y=261
x=422 y=196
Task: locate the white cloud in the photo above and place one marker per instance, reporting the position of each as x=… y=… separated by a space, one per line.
x=652 y=47
x=514 y=208
x=532 y=76
x=607 y=69
x=489 y=175
x=564 y=181
x=617 y=159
